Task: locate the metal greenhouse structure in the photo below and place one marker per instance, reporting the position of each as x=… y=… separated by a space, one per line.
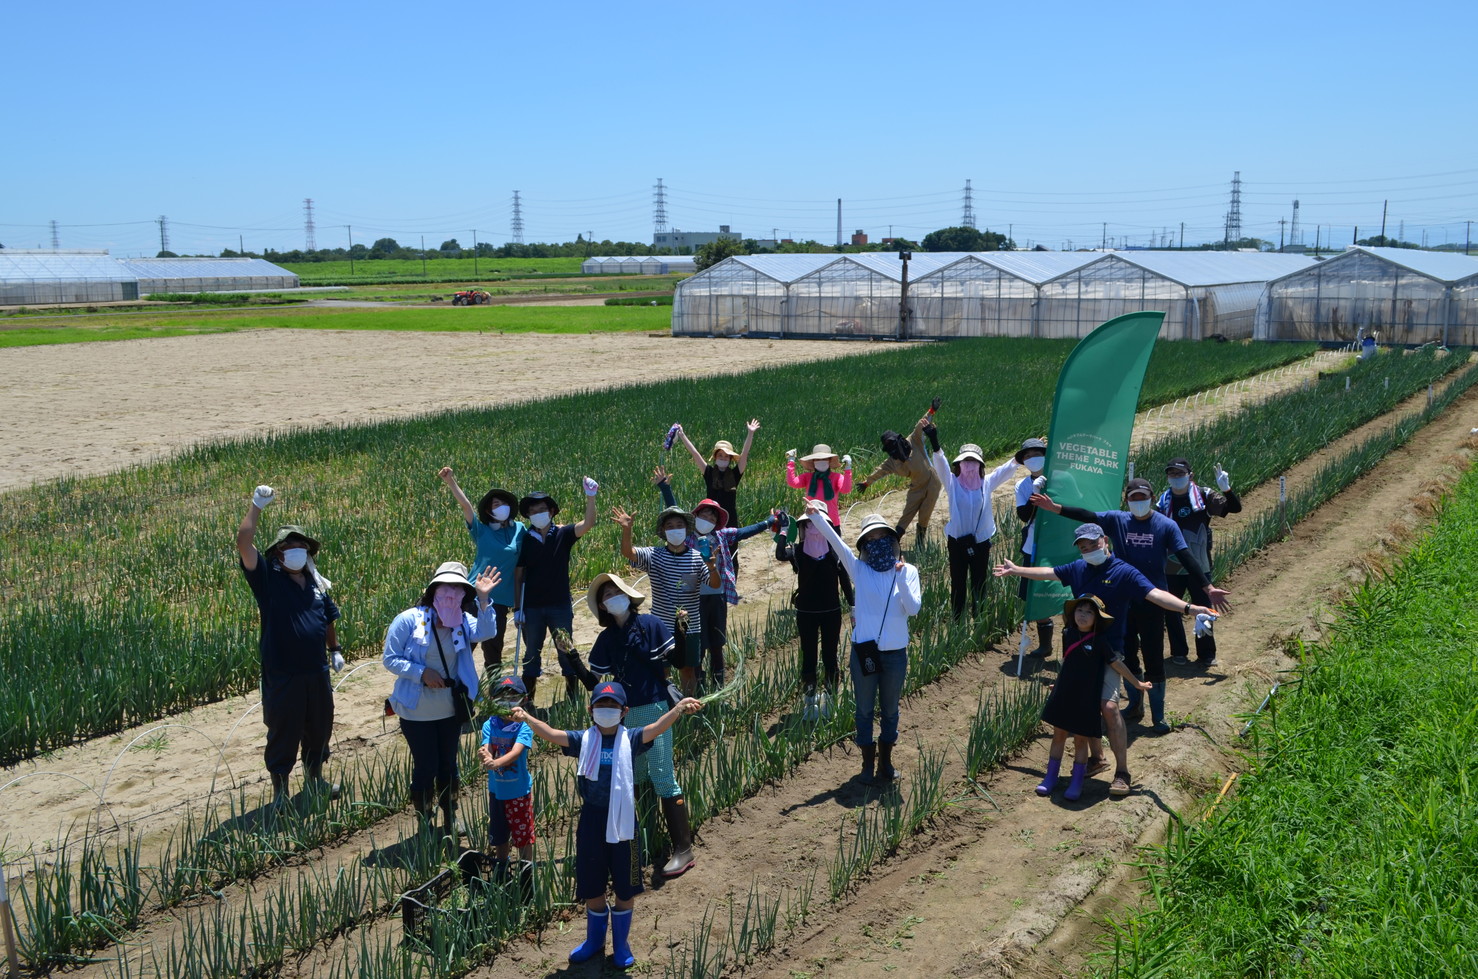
x=208 y=274
x=1402 y=295
x=40 y=277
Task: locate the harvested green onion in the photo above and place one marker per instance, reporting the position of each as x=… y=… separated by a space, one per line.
x=728 y=689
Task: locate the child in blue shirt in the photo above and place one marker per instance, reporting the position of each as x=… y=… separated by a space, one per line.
x=505 y=757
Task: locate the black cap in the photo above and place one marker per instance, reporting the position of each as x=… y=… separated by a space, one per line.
x=1138 y=485
x=1178 y=463
x=537 y=497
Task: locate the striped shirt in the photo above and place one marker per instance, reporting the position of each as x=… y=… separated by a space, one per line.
x=673 y=580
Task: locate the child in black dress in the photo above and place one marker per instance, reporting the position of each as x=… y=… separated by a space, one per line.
x=1073 y=707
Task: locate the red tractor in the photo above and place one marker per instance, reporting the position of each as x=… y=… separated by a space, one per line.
x=472 y=297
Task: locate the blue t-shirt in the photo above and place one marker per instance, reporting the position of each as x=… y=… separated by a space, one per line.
x=295 y=618
x=513 y=782
x=1116 y=582
x=636 y=655
x=1144 y=544
x=497 y=547
x=597 y=795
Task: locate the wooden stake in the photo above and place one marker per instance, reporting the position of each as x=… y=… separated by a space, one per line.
x=9 y=927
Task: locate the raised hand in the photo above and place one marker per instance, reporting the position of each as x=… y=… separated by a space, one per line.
x=262 y=496
x=660 y=475
x=753 y=426
x=487 y=581
x=591 y=486
x=446 y=475
x=622 y=518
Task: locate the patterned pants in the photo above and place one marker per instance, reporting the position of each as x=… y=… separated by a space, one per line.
x=655 y=764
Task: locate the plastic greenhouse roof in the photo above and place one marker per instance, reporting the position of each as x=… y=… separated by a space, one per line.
x=782 y=268
x=61 y=266
x=1445 y=267
x=1035 y=267
x=200 y=268
x=1194 y=269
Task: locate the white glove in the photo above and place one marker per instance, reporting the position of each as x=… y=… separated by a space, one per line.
x=262 y=496
x=518 y=616
x=846 y=462
x=1040 y=483
x=591 y=486
x=338 y=662
x=790 y=455
x=1204 y=622
x=1223 y=479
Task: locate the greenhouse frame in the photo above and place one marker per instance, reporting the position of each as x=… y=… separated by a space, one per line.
x=1402 y=295
x=208 y=275
x=31 y=277
x=637 y=265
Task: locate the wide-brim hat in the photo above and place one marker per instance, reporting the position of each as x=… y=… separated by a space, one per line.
x=722 y=445
x=875 y=521
x=449 y=573
x=292 y=530
x=592 y=594
x=532 y=498
x=492 y=496
x=609 y=690
x=1072 y=603
x=820 y=451
x=967 y=451
x=723 y=515
x=675 y=511
x=1029 y=445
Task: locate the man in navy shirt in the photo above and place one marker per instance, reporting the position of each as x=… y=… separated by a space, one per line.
x=297 y=636
x=1118 y=584
x=541 y=579
x=1145 y=539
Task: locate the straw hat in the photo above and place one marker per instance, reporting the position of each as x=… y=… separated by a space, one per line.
x=967 y=451
x=491 y=498
x=722 y=445
x=875 y=521
x=1072 y=603
x=821 y=451
x=592 y=594
x=449 y=573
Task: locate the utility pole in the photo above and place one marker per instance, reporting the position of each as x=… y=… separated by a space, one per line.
x=1468 y=242
x=241 y=245
x=1182 y=236
x=1281 y=222
x=839 y=222
x=1384 y=205
x=474 y=253
x=423 y=257
x=1103 y=242
x=903 y=257
x=350 y=229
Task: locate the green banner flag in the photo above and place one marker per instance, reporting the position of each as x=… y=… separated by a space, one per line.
x=1088 y=449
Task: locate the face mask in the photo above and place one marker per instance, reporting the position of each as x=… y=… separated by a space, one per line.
x=705 y=527
x=878 y=553
x=1179 y=483
x=1096 y=557
x=500 y=513
x=675 y=535
x=606 y=716
x=1036 y=464
x=721 y=463
x=295 y=558
x=822 y=465
x=815 y=545
x=1140 y=508
x=447 y=601
x=617 y=605
x=540 y=519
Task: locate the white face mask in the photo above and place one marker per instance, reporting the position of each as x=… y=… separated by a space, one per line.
x=540 y=519
x=606 y=716
x=705 y=527
x=822 y=465
x=1179 y=483
x=500 y=513
x=721 y=463
x=617 y=605
x=1140 y=508
x=1035 y=464
x=295 y=558
x=1096 y=557
x=675 y=535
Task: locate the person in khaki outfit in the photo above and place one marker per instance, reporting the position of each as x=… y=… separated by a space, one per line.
x=907 y=458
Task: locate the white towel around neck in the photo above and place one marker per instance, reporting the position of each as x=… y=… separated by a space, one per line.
x=621 y=815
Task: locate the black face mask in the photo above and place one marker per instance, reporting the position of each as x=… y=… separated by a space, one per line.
x=896 y=446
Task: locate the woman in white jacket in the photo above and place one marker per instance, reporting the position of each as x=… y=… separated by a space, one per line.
x=887 y=593
x=429 y=649
x=972 y=519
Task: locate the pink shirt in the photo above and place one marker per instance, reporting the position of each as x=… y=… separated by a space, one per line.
x=840 y=481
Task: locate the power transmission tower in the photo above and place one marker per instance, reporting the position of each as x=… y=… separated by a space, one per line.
x=310 y=243
x=163 y=223
x=659 y=208
x=1234 y=215
x=968 y=219
x=517 y=228
x=56 y=241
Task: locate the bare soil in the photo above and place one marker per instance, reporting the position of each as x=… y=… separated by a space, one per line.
x=1004 y=883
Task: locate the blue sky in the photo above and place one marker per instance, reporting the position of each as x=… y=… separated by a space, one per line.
x=403 y=120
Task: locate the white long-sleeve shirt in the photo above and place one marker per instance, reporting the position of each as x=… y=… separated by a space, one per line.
x=970 y=511
x=885 y=599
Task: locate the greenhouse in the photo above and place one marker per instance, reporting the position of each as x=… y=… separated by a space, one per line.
x=40 y=277
x=1202 y=294
x=1402 y=295
x=986 y=293
x=637 y=265
x=207 y=275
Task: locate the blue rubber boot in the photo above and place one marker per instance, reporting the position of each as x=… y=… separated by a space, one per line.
x=620 y=936
x=1054 y=765
x=1075 y=787
x=595 y=936
x=1157 y=708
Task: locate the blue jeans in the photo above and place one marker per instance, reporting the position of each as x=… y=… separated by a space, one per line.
x=537 y=623
x=880 y=691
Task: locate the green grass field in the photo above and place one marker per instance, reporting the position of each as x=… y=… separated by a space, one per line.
x=81 y=328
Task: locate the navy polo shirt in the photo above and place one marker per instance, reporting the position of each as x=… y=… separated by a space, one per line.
x=636 y=655
x=1114 y=581
x=546 y=566
x=295 y=619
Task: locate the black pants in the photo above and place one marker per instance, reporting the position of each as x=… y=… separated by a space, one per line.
x=970 y=561
x=298 y=709
x=1179 y=586
x=819 y=631
x=492 y=649
x=1145 y=633
x=433 y=747
x=715 y=612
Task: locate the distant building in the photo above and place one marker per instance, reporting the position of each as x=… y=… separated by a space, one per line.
x=859 y=237
x=684 y=242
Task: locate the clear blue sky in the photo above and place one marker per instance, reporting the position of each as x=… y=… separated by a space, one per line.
x=412 y=119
